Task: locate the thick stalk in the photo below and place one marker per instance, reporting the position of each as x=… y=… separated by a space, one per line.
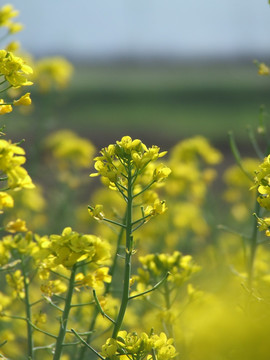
x=64 y=319
x=129 y=248
x=253 y=245
x=167 y=296
x=82 y=351
x=30 y=342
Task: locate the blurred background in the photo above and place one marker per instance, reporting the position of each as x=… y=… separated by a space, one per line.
x=159 y=70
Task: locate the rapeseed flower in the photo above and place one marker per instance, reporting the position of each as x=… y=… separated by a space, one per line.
x=16 y=226
x=263 y=69
x=11 y=159
x=6 y=200
x=4 y=108
x=139 y=347
x=115 y=160
x=14 y=69
x=7 y=12
x=23 y=100
x=16 y=282
x=54 y=71
x=71 y=247
x=69 y=149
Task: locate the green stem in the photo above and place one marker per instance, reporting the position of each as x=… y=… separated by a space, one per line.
x=167 y=295
x=152 y=289
x=10 y=86
x=30 y=342
x=129 y=249
x=64 y=319
x=146 y=188
x=253 y=245
x=81 y=353
x=254 y=143
x=100 y=308
x=237 y=156
x=87 y=345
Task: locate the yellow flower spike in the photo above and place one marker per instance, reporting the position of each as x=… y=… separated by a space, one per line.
x=23 y=100
x=16 y=226
x=4 y=109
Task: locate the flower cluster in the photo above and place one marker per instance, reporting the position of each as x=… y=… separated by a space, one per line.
x=263 y=69
x=95 y=279
x=16 y=281
x=115 y=160
x=262 y=181
x=128 y=167
x=7 y=13
x=52 y=72
x=139 y=347
x=14 y=72
x=14 y=69
x=154 y=266
x=11 y=159
x=237 y=182
x=71 y=247
x=68 y=148
x=187 y=161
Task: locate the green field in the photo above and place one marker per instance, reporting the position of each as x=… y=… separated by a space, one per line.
x=159 y=103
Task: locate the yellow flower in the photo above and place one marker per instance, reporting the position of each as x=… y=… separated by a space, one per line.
x=12 y=46
x=51 y=287
x=54 y=71
x=127 y=153
x=159 y=207
x=7 y=12
x=14 y=69
x=161 y=172
x=16 y=226
x=23 y=100
x=4 y=109
x=71 y=247
x=263 y=69
x=5 y=200
x=135 y=346
x=18 y=178
x=39 y=318
x=95 y=280
x=109 y=348
x=15 y=281
x=70 y=149
x=15 y=27
x=96 y=212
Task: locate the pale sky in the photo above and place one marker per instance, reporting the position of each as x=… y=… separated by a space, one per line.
x=138 y=28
